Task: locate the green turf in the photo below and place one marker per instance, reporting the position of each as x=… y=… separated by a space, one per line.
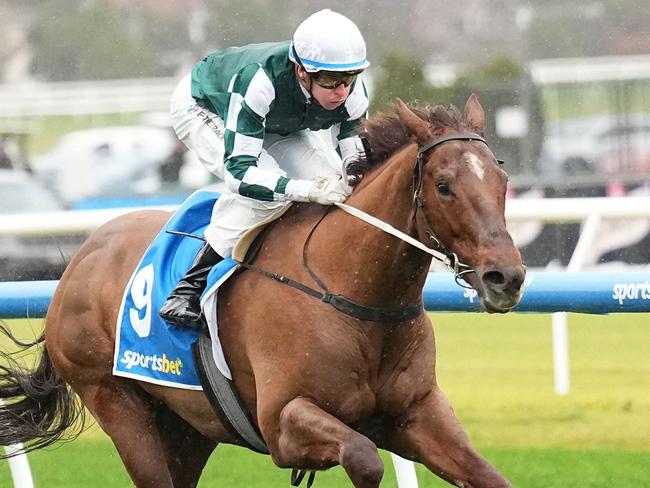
x=94 y=463
x=497 y=371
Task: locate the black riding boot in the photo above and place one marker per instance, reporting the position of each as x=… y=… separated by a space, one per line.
x=183 y=308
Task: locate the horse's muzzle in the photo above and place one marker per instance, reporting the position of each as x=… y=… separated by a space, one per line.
x=501 y=287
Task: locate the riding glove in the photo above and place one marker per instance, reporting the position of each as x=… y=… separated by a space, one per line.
x=321 y=190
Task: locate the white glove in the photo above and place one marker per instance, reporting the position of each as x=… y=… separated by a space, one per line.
x=321 y=190
x=327 y=192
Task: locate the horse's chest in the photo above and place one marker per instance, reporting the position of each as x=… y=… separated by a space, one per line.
x=355 y=405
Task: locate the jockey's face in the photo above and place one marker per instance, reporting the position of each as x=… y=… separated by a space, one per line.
x=330 y=96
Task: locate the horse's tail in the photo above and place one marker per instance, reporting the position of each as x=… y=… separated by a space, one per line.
x=37 y=408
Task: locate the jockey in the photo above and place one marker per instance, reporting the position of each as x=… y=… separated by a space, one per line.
x=248 y=113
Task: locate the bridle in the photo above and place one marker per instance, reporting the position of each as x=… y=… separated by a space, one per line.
x=449 y=258
x=440 y=252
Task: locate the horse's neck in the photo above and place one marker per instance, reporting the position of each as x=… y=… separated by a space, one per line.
x=375 y=266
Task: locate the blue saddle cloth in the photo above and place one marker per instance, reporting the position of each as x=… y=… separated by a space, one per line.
x=147 y=348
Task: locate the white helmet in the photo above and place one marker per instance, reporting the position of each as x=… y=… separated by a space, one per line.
x=328 y=41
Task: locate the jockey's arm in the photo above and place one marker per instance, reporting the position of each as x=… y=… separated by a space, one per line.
x=251 y=96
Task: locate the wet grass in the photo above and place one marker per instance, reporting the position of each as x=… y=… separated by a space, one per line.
x=94 y=462
x=498 y=373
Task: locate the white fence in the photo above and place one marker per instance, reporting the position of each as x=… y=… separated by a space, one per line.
x=551 y=210
x=84 y=97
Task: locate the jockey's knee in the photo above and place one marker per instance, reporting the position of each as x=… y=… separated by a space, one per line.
x=233 y=215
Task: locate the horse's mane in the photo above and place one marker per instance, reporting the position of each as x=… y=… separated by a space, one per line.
x=384 y=134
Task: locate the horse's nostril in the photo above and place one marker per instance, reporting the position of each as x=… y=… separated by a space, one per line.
x=494 y=277
x=518 y=278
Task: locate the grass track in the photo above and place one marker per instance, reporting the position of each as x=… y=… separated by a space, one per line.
x=497 y=371
x=96 y=465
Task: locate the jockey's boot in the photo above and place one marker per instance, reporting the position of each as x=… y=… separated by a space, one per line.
x=183 y=308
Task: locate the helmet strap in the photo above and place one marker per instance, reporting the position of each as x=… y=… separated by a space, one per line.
x=307 y=88
x=299 y=61
x=312 y=98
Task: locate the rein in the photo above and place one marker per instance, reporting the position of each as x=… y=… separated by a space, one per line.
x=440 y=252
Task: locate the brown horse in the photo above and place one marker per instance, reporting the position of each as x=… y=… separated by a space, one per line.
x=324 y=388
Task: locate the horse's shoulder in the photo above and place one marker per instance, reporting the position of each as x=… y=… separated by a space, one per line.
x=295 y=224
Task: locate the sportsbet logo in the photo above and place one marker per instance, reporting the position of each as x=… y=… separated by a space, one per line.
x=631 y=291
x=154 y=363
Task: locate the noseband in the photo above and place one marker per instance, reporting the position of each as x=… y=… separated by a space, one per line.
x=451 y=259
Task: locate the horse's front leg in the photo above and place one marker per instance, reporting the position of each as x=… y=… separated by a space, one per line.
x=309 y=438
x=431 y=434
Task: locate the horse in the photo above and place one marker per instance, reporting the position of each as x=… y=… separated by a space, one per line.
x=322 y=387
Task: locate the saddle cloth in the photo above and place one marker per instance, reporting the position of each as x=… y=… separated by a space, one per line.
x=147 y=348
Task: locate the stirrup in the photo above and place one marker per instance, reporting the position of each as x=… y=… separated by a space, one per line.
x=298 y=474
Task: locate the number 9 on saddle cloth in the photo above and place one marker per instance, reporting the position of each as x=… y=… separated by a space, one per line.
x=148 y=348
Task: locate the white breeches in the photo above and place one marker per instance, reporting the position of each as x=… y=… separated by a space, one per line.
x=302 y=155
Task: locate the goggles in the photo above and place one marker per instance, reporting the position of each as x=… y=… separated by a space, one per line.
x=332 y=79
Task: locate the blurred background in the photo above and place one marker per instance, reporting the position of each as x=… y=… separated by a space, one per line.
x=85 y=86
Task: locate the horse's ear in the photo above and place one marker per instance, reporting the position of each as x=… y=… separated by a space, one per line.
x=415 y=126
x=474 y=115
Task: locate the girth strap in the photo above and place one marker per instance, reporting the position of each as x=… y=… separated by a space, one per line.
x=223 y=396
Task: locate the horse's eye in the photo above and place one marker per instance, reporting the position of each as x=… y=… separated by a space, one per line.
x=443 y=188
